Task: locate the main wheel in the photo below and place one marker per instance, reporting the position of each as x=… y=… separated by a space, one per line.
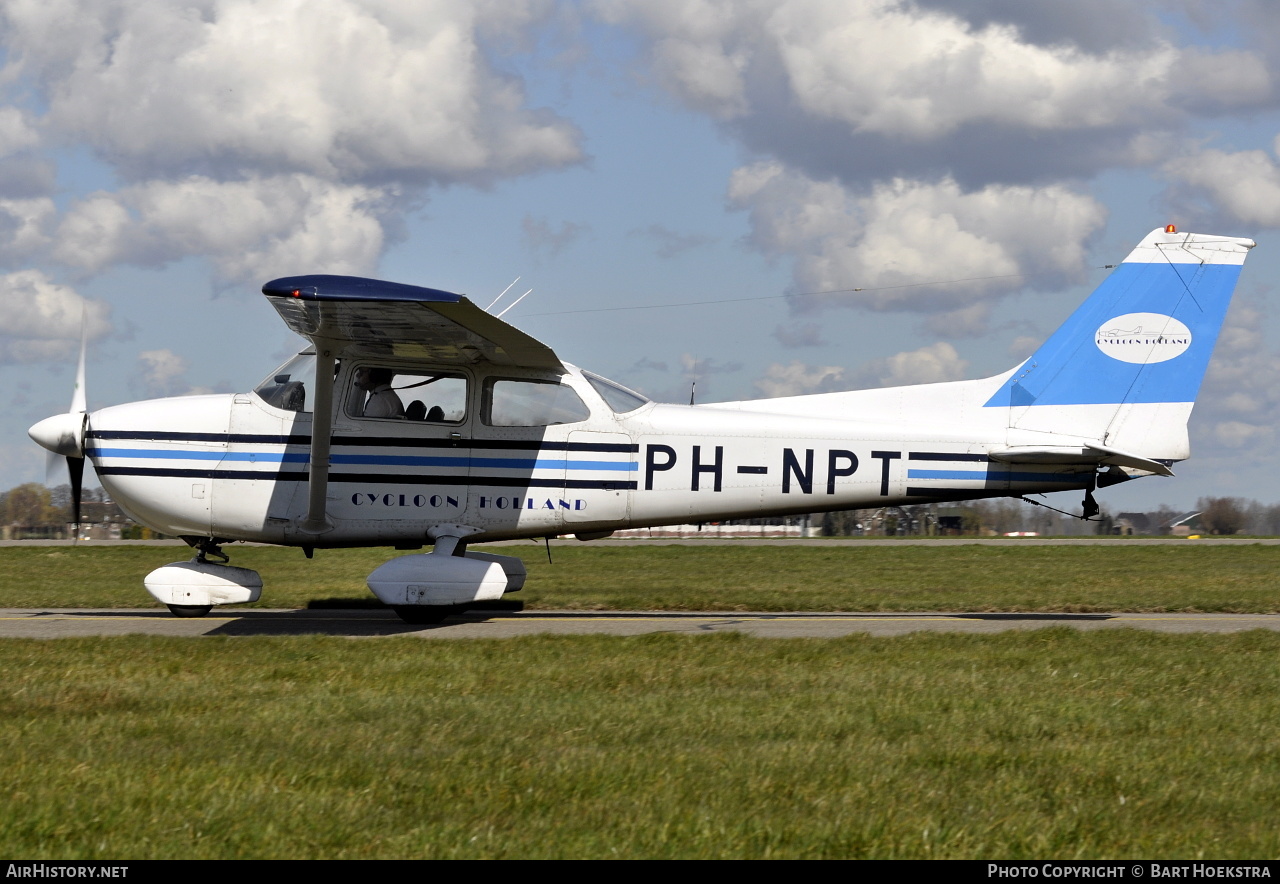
x=190 y=610
x=420 y=615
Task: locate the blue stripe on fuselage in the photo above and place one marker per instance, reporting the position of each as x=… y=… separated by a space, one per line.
x=501 y=463
x=169 y=454
x=992 y=476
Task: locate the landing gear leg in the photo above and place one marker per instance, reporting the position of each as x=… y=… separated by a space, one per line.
x=209 y=546
x=1089 y=505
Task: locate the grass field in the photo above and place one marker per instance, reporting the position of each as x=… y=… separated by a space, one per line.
x=1045 y=744
x=1107 y=577
x=1052 y=744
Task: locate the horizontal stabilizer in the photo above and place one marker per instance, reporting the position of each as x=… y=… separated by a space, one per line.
x=1089 y=453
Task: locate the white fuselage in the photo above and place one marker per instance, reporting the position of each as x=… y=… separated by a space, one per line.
x=235 y=468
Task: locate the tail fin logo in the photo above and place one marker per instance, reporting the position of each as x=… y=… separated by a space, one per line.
x=1143 y=338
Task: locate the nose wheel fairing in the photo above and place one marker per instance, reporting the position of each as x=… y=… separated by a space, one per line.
x=202 y=584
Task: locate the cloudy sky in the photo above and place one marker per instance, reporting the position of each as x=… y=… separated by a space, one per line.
x=689 y=187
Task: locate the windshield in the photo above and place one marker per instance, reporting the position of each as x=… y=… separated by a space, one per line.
x=616 y=396
x=286 y=387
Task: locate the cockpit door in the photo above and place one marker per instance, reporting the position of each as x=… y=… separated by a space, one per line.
x=401 y=452
x=600 y=473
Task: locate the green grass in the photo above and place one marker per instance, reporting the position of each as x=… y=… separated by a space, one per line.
x=1013 y=577
x=1056 y=743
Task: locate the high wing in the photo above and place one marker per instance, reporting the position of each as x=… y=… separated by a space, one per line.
x=371 y=317
x=349 y=315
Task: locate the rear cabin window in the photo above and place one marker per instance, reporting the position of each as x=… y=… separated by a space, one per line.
x=511 y=403
x=395 y=394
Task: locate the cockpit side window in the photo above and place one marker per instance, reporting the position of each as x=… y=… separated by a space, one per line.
x=387 y=393
x=517 y=403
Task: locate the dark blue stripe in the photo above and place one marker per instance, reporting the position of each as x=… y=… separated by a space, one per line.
x=950 y=493
x=257 y=475
x=942 y=455
x=364 y=441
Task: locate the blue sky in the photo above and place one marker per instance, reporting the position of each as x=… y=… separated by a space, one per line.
x=159 y=162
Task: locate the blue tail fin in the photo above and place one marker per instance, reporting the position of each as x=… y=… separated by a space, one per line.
x=1144 y=336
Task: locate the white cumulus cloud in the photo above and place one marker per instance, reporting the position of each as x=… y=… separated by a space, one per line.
x=250 y=229
x=16 y=132
x=40 y=320
x=904 y=233
x=344 y=89
x=270 y=136
x=1245 y=185
x=162 y=372
x=929 y=365
x=24 y=227
x=1239 y=403
x=798 y=379
x=842 y=87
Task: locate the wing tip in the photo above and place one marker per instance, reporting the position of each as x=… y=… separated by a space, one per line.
x=327 y=287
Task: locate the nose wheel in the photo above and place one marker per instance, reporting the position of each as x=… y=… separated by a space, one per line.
x=421 y=615
x=189 y=610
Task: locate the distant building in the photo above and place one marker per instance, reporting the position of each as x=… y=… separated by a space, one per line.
x=1127 y=524
x=1181 y=525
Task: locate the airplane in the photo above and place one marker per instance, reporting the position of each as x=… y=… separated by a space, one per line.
x=415 y=417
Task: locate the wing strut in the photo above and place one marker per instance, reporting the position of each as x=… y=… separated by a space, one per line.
x=317 y=521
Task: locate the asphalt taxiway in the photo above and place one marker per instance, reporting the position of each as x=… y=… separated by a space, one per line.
x=369 y=623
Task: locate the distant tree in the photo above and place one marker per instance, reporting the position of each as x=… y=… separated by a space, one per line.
x=29 y=505
x=920 y=519
x=1254 y=517
x=34 y=505
x=1223 y=515
x=841 y=523
x=970 y=520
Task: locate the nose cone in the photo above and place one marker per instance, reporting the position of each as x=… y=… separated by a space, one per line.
x=62 y=434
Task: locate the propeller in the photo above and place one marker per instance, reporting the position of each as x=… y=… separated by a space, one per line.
x=63 y=434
